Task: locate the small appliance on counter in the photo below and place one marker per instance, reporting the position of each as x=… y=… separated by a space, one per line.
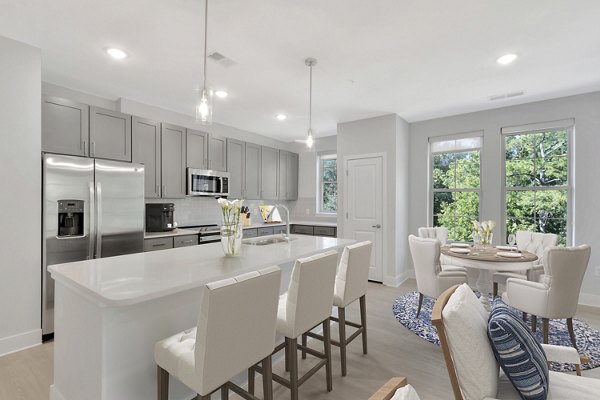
x=206 y=233
x=159 y=217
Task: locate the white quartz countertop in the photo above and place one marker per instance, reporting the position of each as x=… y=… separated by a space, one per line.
x=175 y=232
x=135 y=278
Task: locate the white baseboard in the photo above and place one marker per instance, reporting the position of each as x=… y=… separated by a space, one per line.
x=592 y=300
x=400 y=279
x=21 y=341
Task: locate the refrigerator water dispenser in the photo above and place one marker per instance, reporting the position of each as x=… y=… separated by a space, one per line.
x=70 y=218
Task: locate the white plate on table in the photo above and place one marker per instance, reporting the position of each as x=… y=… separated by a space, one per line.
x=460 y=250
x=509 y=254
x=506 y=248
x=463 y=245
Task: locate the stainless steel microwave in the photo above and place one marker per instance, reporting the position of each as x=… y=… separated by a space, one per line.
x=204 y=182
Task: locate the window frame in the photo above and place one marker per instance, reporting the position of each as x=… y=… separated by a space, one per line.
x=432 y=190
x=570 y=128
x=320 y=182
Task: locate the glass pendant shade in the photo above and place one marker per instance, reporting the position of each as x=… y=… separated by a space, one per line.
x=204 y=107
x=310 y=140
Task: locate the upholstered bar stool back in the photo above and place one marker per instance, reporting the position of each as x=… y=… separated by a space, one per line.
x=353 y=274
x=236 y=329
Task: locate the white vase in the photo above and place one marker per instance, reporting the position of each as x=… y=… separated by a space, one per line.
x=231 y=238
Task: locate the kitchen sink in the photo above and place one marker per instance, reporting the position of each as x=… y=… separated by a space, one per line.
x=266 y=241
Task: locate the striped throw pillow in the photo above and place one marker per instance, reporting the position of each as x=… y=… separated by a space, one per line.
x=520 y=356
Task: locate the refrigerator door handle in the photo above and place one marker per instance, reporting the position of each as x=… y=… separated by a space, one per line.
x=98 y=220
x=92 y=216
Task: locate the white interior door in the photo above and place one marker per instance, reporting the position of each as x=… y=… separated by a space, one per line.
x=364 y=206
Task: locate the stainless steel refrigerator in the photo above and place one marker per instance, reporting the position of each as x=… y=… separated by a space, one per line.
x=91 y=209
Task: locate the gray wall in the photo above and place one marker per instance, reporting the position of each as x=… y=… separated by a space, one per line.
x=585 y=109
x=20 y=199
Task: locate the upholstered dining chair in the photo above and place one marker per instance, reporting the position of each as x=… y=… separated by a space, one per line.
x=431 y=279
x=462 y=326
x=533 y=242
x=436 y=232
x=556 y=295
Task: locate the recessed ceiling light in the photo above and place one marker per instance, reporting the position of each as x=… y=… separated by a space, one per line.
x=281 y=117
x=221 y=93
x=117 y=54
x=507 y=58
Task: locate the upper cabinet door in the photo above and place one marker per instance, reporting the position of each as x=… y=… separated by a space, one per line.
x=146 y=150
x=110 y=134
x=197 y=149
x=252 y=172
x=236 y=155
x=173 y=153
x=268 y=173
x=292 y=179
x=217 y=153
x=283 y=174
x=65 y=127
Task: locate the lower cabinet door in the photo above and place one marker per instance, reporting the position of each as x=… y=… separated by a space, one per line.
x=158 y=244
x=187 y=240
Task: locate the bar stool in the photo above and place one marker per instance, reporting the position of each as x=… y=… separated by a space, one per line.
x=236 y=329
x=306 y=304
x=350 y=285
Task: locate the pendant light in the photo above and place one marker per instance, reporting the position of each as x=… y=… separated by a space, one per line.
x=204 y=105
x=310 y=140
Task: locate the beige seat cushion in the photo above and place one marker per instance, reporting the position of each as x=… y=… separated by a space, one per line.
x=563 y=386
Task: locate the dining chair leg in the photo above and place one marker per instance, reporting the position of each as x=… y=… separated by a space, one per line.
x=524 y=317
x=420 y=304
x=224 y=392
x=200 y=397
x=363 y=321
x=267 y=365
x=342 y=329
x=533 y=322
x=287 y=356
x=571 y=332
x=327 y=348
x=495 y=289
x=304 y=344
x=162 y=379
x=292 y=344
x=545 y=322
x=251 y=376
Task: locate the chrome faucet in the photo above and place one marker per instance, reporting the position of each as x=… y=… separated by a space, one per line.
x=287 y=220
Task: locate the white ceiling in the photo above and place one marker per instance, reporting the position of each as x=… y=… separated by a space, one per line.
x=418 y=58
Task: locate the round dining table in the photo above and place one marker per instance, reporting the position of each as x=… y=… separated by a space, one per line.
x=487 y=260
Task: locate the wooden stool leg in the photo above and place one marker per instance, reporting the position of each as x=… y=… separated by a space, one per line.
x=304 y=343
x=533 y=322
x=420 y=304
x=524 y=317
x=571 y=332
x=495 y=289
x=545 y=322
x=224 y=392
x=293 y=352
x=267 y=365
x=287 y=356
x=162 y=379
x=327 y=346
x=342 y=329
x=363 y=321
x=251 y=376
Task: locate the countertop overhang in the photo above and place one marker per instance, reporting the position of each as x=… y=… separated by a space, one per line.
x=136 y=278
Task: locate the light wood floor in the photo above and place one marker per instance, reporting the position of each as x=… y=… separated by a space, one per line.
x=393 y=351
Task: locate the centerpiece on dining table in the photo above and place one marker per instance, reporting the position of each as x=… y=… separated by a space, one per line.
x=483 y=232
x=231 y=226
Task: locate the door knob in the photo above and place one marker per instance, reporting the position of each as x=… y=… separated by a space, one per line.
x=376 y=226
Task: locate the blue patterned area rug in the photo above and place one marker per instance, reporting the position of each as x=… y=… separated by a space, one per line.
x=588 y=339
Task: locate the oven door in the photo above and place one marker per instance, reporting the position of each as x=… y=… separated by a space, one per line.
x=203 y=183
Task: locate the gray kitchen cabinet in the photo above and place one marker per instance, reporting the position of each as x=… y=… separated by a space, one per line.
x=197 y=149
x=302 y=229
x=250 y=232
x=266 y=231
x=65 y=126
x=269 y=159
x=146 y=150
x=185 y=240
x=110 y=134
x=279 y=229
x=236 y=155
x=158 y=244
x=288 y=175
x=252 y=167
x=173 y=161
x=217 y=153
x=324 y=231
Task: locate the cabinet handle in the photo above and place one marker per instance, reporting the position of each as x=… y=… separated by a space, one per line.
x=164 y=191
x=158 y=245
x=93 y=151
x=157 y=190
x=84 y=149
x=188 y=241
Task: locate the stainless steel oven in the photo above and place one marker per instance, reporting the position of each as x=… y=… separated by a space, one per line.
x=203 y=182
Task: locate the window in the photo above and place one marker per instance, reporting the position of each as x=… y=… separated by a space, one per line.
x=327 y=170
x=537 y=183
x=455 y=186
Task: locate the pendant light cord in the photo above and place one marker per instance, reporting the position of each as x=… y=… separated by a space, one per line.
x=205 y=37
x=310 y=101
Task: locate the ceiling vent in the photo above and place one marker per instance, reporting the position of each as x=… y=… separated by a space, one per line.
x=506 y=96
x=221 y=59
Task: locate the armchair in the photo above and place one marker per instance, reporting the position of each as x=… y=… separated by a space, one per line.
x=556 y=295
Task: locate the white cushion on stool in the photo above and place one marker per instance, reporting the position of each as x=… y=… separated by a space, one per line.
x=168 y=351
x=353 y=274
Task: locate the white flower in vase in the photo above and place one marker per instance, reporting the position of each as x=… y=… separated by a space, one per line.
x=231 y=230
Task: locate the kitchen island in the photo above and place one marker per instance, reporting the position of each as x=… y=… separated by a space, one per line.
x=111 y=311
